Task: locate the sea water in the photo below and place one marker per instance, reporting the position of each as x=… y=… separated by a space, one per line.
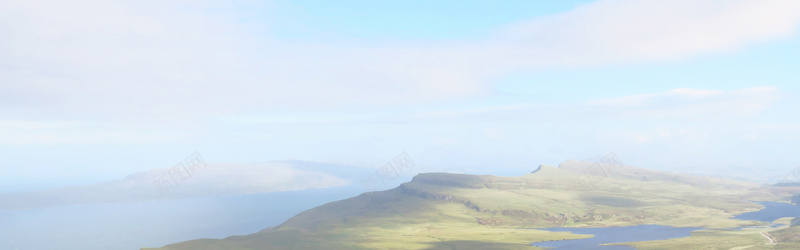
x=135 y=225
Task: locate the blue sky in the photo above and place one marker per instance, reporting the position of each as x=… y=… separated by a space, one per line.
x=96 y=90
x=402 y=20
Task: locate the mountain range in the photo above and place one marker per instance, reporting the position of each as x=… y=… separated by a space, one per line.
x=458 y=211
x=220 y=179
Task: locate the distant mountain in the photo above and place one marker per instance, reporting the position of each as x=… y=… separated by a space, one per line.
x=456 y=211
x=213 y=180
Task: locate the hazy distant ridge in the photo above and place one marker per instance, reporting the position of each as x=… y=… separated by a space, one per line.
x=217 y=179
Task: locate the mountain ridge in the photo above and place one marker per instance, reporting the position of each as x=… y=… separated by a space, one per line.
x=218 y=179
x=467 y=210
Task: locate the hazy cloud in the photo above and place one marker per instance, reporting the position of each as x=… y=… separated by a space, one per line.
x=692 y=103
x=169 y=59
x=619 y=31
x=20 y=132
x=674 y=104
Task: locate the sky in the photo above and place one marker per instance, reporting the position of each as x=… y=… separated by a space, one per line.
x=95 y=90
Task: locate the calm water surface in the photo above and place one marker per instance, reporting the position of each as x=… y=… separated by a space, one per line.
x=155 y=223
x=606 y=235
x=772 y=211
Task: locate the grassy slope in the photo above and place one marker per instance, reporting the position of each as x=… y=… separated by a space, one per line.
x=750 y=238
x=452 y=211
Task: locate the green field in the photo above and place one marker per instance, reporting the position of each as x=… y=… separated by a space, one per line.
x=454 y=211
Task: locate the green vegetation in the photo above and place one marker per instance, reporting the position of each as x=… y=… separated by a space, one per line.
x=749 y=238
x=788 y=238
x=711 y=239
x=454 y=211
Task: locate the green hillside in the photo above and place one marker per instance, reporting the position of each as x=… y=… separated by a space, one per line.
x=456 y=211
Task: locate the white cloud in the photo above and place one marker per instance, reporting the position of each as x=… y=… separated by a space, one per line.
x=615 y=31
x=659 y=135
x=691 y=103
x=19 y=132
x=115 y=57
x=683 y=103
x=167 y=60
